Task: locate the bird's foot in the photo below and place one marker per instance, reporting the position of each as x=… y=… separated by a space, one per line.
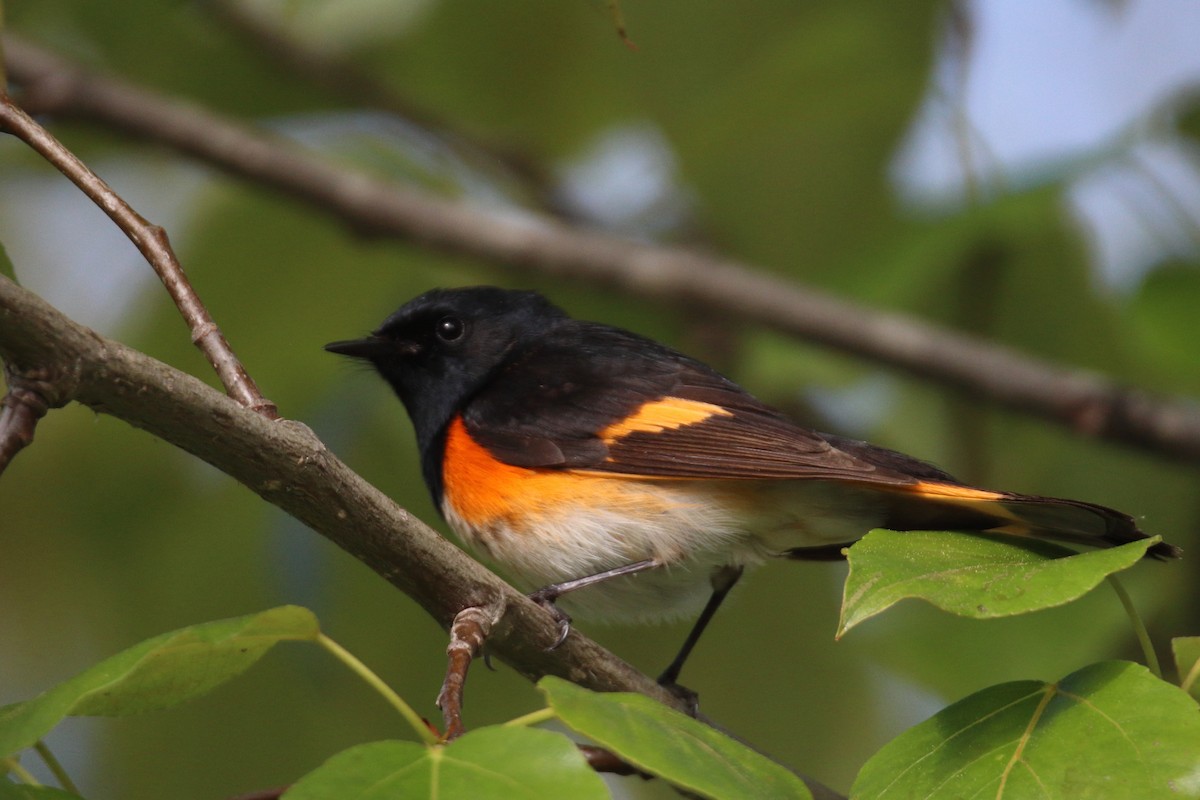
x=689 y=698
x=546 y=598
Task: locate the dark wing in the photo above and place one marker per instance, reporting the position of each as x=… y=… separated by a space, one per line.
x=595 y=398
x=598 y=398
x=740 y=442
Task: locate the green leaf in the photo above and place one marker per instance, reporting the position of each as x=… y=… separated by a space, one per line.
x=158 y=673
x=22 y=791
x=1187 y=662
x=676 y=747
x=492 y=763
x=1110 y=730
x=972 y=575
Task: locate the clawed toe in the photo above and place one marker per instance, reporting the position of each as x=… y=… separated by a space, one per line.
x=546 y=600
x=564 y=630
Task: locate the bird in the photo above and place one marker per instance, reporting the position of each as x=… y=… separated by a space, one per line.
x=630 y=482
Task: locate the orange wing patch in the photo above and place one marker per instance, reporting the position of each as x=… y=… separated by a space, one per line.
x=661 y=415
x=951 y=491
x=963 y=496
x=982 y=500
x=483 y=490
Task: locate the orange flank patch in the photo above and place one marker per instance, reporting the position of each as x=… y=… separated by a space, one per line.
x=483 y=490
x=952 y=492
x=666 y=414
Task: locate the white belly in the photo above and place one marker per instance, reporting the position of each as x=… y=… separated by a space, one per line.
x=675 y=522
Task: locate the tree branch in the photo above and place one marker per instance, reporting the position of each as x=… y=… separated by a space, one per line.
x=1086 y=403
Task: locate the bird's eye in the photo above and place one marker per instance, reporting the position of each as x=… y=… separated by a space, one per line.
x=449 y=329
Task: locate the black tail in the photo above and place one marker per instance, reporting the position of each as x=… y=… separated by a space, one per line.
x=930 y=505
x=1078 y=522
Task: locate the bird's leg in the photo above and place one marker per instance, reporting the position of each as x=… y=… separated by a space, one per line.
x=722 y=581
x=547 y=595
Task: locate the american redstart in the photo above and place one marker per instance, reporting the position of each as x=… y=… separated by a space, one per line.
x=590 y=460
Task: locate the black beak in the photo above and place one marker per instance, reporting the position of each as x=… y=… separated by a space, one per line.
x=372 y=347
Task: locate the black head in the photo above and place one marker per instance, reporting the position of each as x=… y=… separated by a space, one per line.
x=438 y=349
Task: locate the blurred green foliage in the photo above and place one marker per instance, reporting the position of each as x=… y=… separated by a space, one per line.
x=783 y=120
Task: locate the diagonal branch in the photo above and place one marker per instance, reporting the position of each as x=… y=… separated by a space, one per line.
x=1085 y=402
x=151 y=241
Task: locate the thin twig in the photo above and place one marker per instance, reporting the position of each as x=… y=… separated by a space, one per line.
x=618 y=21
x=152 y=241
x=468 y=634
x=1086 y=403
